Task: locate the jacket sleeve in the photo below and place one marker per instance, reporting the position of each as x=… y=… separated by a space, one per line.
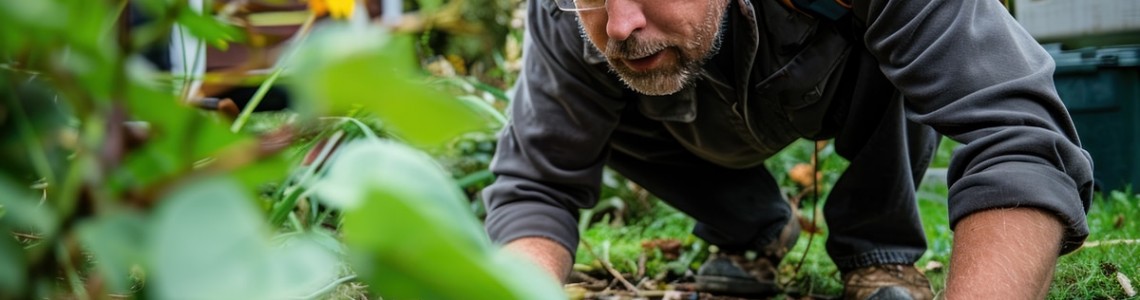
x=550 y=156
x=970 y=71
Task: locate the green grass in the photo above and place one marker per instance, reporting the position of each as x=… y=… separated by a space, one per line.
x=1079 y=275
x=819 y=276
x=622 y=244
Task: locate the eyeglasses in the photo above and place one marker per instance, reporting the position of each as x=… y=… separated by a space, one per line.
x=580 y=5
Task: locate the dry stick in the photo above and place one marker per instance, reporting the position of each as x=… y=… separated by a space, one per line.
x=641 y=260
x=1110 y=243
x=646 y=294
x=27 y=236
x=606 y=265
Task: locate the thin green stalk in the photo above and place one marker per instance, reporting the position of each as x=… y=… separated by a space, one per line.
x=119 y=9
x=478 y=103
x=283 y=208
x=77 y=287
x=296 y=222
x=368 y=132
x=476 y=177
x=36 y=150
x=328 y=288
x=184 y=90
x=322 y=216
x=277 y=70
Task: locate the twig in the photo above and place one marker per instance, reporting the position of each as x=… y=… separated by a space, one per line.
x=645 y=294
x=815 y=212
x=27 y=236
x=641 y=260
x=1110 y=243
x=609 y=268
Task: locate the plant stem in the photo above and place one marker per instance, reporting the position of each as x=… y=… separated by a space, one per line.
x=36 y=151
x=283 y=208
x=328 y=288
x=476 y=177
x=277 y=70
x=296 y=223
x=368 y=132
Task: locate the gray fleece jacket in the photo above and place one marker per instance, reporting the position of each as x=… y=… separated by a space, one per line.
x=964 y=67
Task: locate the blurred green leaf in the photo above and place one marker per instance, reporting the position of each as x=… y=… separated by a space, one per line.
x=41 y=14
x=415 y=238
x=12 y=266
x=429 y=6
x=31 y=127
x=153 y=8
x=272 y=169
x=343 y=68
x=117 y=242
x=22 y=210
x=179 y=136
x=209 y=29
x=210 y=243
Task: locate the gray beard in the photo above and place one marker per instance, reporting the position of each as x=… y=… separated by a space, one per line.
x=667 y=81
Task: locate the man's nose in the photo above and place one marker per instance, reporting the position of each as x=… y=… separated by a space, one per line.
x=623 y=18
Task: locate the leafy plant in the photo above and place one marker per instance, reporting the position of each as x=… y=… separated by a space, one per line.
x=123 y=191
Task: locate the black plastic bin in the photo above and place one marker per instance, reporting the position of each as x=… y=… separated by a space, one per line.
x=1101 y=88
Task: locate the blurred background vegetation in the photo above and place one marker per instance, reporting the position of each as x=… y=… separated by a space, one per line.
x=272 y=149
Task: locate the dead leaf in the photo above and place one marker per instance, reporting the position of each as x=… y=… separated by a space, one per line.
x=1125 y=284
x=802 y=174
x=670 y=248
x=932 y=266
x=807 y=226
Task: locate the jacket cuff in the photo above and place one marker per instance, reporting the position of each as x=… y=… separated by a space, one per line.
x=520 y=219
x=1021 y=184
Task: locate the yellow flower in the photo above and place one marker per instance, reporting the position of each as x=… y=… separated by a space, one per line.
x=340 y=9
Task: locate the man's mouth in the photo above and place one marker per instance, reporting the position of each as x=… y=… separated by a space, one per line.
x=644 y=63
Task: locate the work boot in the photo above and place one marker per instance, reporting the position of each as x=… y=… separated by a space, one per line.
x=886 y=282
x=735 y=273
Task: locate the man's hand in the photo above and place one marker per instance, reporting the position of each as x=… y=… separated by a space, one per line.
x=546 y=254
x=1004 y=254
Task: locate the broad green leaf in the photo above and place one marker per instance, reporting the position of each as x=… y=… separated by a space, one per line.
x=340 y=69
x=411 y=233
x=116 y=241
x=33 y=14
x=210 y=243
x=13 y=266
x=179 y=136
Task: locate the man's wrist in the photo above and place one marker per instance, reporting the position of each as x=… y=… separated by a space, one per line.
x=547 y=254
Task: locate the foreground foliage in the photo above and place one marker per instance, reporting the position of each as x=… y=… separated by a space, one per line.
x=123 y=191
